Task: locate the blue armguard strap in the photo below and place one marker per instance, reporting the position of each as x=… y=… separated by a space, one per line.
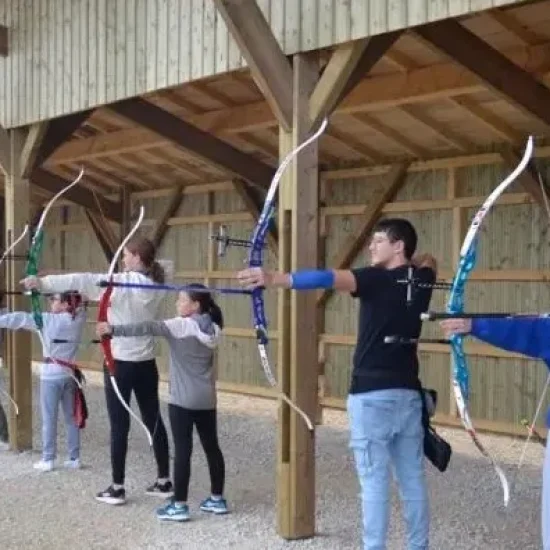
x=312 y=279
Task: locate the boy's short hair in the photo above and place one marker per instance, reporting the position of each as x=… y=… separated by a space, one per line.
x=399 y=229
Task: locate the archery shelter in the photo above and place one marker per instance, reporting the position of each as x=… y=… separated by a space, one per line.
x=188 y=107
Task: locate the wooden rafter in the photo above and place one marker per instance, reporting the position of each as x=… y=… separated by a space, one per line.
x=443 y=131
x=350 y=142
x=4 y=41
x=58 y=132
x=5 y=148
x=253 y=204
x=78 y=194
x=529 y=179
x=375 y=93
x=172 y=206
x=371 y=213
x=31 y=148
x=489 y=119
x=347 y=66
x=507 y=21
x=269 y=67
x=502 y=75
x=103 y=232
x=393 y=135
x=195 y=140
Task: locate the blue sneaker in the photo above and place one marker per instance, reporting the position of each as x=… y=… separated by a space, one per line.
x=173 y=512
x=214 y=506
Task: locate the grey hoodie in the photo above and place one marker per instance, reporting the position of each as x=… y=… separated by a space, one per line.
x=192 y=341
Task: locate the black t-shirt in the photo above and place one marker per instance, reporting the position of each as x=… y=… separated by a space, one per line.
x=384 y=312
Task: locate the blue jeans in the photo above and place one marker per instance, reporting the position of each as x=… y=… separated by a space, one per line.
x=546 y=500
x=386 y=430
x=54 y=392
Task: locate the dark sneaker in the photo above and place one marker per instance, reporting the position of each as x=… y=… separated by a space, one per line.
x=112 y=496
x=164 y=490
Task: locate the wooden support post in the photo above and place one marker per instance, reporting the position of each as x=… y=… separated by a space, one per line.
x=18 y=343
x=298 y=338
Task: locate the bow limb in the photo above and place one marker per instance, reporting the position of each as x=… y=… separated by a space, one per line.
x=256 y=260
x=455 y=304
x=103 y=308
x=35 y=253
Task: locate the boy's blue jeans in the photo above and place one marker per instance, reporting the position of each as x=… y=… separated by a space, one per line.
x=386 y=431
x=546 y=500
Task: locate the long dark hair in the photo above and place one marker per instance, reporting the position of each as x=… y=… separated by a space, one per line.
x=146 y=251
x=74 y=302
x=206 y=303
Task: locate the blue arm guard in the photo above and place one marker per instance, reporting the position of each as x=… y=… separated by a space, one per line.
x=312 y=279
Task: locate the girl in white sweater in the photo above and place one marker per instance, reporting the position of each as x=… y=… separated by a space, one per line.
x=135 y=364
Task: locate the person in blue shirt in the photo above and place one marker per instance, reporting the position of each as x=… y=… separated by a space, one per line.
x=529 y=336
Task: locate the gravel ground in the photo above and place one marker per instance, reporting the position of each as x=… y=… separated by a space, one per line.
x=57 y=510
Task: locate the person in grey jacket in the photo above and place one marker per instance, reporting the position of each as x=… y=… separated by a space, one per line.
x=192 y=337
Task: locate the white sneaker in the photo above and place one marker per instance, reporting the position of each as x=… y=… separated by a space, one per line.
x=72 y=463
x=44 y=465
x=4 y=446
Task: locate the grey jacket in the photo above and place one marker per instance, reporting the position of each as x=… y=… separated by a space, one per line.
x=192 y=341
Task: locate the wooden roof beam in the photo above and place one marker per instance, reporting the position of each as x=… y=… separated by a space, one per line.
x=103 y=232
x=372 y=94
x=4 y=41
x=396 y=178
x=489 y=119
x=268 y=64
x=5 y=151
x=443 y=131
x=174 y=202
x=348 y=65
x=78 y=194
x=353 y=144
x=195 y=140
x=510 y=23
x=393 y=135
x=502 y=75
x=57 y=132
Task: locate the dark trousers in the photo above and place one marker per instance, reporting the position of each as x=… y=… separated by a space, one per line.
x=182 y=422
x=143 y=378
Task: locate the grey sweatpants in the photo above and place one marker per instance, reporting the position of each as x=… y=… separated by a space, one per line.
x=53 y=392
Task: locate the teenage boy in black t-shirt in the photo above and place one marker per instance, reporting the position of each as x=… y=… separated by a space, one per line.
x=384 y=405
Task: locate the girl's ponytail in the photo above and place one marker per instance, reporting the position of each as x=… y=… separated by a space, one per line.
x=207 y=303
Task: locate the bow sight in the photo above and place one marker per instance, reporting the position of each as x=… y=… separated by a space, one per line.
x=224 y=241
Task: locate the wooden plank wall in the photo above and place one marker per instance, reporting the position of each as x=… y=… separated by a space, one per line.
x=512 y=274
x=70 y=55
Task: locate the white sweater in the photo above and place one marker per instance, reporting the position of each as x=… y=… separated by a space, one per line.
x=127 y=305
x=56 y=326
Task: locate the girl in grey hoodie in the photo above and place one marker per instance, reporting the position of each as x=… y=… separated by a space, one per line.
x=192 y=337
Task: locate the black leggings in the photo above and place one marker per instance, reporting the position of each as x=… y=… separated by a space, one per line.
x=143 y=378
x=182 y=421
